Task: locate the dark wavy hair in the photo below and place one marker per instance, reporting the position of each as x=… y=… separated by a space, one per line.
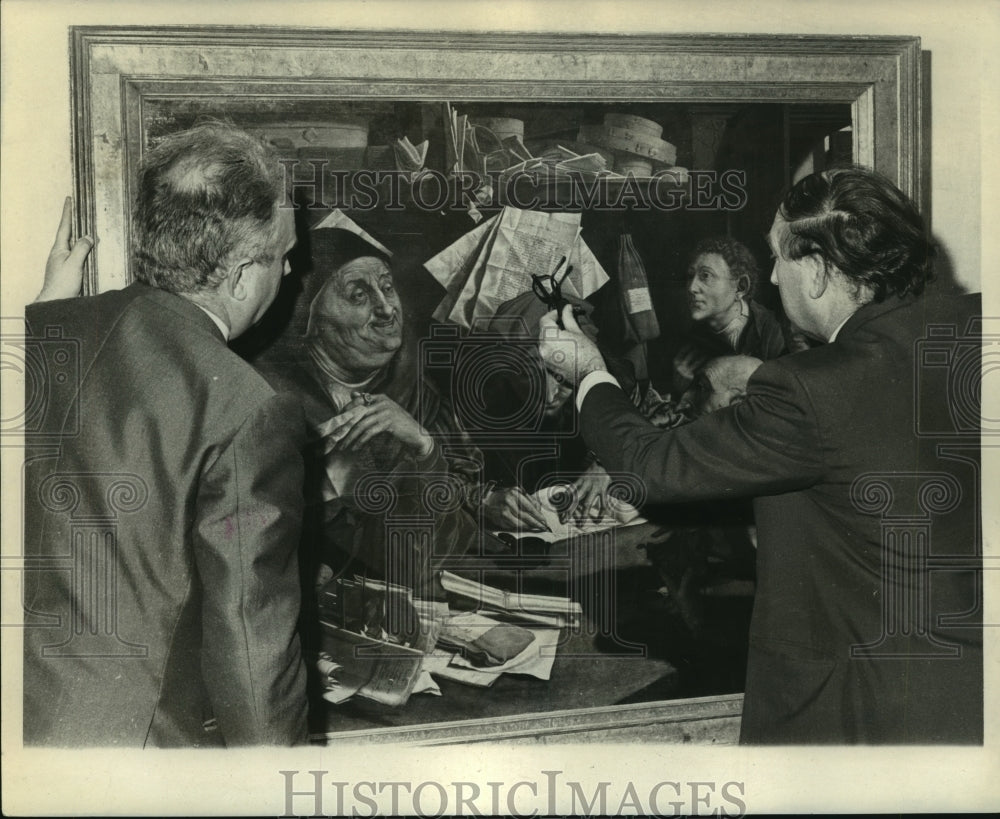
x=204 y=195
x=860 y=223
x=737 y=257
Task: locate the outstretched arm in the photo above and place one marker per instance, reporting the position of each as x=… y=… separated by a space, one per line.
x=766 y=445
x=770 y=443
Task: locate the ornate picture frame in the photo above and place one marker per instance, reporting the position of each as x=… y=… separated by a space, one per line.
x=118 y=73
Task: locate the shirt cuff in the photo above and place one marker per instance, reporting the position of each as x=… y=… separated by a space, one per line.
x=591 y=380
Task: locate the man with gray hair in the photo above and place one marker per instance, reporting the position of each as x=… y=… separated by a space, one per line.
x=163 y=490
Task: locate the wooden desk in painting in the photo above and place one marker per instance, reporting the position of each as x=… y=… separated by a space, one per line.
x=610 y=680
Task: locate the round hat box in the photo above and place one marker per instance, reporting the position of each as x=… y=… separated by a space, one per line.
x=633 y=123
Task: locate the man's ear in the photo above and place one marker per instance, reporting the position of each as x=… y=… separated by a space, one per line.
x=819 y=275
x=743 y=286
x=236 y=283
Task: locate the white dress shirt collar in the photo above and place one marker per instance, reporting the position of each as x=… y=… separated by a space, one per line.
x=218 y=322
x=838 y=328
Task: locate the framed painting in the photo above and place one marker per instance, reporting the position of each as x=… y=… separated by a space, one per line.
x=349 y=110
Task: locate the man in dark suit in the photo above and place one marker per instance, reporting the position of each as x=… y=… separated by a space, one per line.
x=163 y=478
x=862 y=457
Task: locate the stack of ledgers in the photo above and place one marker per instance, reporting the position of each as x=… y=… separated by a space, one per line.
x=380 y=643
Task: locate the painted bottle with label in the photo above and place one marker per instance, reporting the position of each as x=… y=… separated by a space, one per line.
x=640 y=318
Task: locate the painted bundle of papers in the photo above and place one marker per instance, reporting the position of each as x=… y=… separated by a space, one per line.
x=483 y=641
x=474 y=148
x=377 y=642
x=553 y=498
x=409 y=157
x=559 y=162
x=373 y=639
x=535 y=660
x=494 y=262
x=531 y=609
x=354 y=664
x=455 y=137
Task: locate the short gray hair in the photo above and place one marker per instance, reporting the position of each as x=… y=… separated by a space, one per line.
x=204 y=195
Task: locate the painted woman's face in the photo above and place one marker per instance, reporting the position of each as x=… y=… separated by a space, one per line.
x=357 y=317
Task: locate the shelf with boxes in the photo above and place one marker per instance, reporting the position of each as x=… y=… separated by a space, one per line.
x=360 y=155
x=403 y=154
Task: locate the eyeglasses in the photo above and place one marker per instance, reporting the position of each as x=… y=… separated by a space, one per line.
x=549 y=290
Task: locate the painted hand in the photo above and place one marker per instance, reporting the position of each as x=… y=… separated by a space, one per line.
x=568 y=354
x=370 y=415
